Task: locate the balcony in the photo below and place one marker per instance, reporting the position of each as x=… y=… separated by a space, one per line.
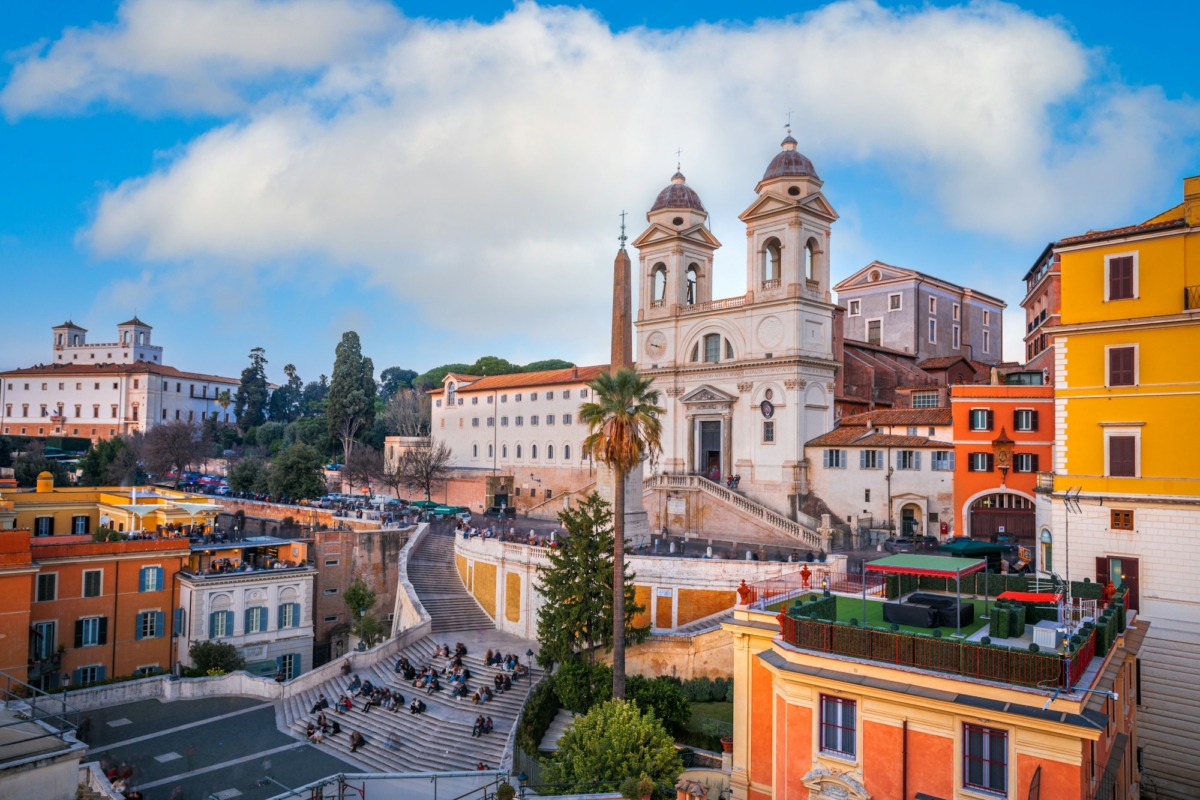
x=1191 y=298
x=44 y=666
x=773 y=283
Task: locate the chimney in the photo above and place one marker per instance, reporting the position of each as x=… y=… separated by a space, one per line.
x=1191 y=200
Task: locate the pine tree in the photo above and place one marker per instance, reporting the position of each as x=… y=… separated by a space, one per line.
x=350 y=406
x=577 y=615
x=250 y=405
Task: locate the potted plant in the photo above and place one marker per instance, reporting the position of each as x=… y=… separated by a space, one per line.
x=727 y=744
x=637 y=788
x=505 y=791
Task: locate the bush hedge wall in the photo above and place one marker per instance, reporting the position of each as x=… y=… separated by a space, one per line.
x=540 y=710
x=824 y=607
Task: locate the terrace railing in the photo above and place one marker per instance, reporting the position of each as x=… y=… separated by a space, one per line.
x=785 y=588
x=1038 y=670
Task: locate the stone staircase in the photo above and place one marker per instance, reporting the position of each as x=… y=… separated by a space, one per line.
x=438 y=740
x=435 y=579
x=804 y=533
x=558 y=726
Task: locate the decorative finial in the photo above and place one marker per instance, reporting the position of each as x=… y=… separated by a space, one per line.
x=679 y=160
x=789 y=122
x=622 y=238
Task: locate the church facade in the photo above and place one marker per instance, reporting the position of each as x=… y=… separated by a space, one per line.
x=747 y=380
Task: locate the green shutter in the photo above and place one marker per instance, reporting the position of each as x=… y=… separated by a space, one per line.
x=142 y=579
x=137 y=632
x=295 y=615
x=229 y=623
x=279 y=616
x=101 y=672
x=76 y=677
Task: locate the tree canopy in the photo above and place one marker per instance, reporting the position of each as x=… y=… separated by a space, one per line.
x=33 y=462
x=298 y=472
x=486 y=365
x=286 y=400
x=615 y=741
x=250 y=404
x=171 y=447
x=393 y=379
x=350 y=406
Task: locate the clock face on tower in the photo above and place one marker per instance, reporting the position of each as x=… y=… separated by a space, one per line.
x=656 y=344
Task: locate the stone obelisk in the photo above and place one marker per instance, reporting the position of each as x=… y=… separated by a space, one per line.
x=637 y=525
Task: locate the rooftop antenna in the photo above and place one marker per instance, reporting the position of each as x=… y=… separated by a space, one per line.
x=622 y=238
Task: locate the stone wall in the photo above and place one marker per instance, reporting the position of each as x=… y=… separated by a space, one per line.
x=702 y=518
x=303 y=515
x=340 y=558
x=704 y=655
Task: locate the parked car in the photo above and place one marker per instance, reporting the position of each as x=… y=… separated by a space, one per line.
x=928 y=543
x=900 y=544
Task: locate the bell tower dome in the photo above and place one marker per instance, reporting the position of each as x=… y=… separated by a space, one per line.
x=675 y=252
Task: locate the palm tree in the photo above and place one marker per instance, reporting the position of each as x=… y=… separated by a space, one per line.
x=225 y=400
x=624 y=429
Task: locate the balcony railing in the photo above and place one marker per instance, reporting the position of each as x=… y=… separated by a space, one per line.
x=1191 y=298
x=772 y=283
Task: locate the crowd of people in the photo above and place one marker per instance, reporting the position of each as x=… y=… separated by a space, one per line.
x=512 y=535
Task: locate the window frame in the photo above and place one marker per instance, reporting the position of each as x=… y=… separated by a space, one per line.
x=932 y=329
x=943 y=464
x=768 y=431
x=1032 y=415
x=37 y=587
x=899 y=301
x=1123 y=433
x=1108 y=258
x=1121 y=519
x=854 y=307
x=1135 y=368
x=923 y=396
x=99 y=573
x=842 y=733
x=989 y=419
x=968 y=757
x=867 y=330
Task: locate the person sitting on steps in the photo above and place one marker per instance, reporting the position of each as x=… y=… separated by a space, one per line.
x=478 y=730
x=356 y=741
x=417 y=706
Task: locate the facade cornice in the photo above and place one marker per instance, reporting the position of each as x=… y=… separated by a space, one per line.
x=1119 y=240
x=1166 y=321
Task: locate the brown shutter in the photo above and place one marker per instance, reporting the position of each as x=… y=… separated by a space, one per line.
x=1102 y=570
x=991 y=419
x=1033 y=466
x=1033 y=423
x=991 y=459
x=1120 y=278
x=1120 y=366
x=1121 y=457
x=1130 y=567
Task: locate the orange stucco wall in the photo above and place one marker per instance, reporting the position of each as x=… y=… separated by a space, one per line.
x=1058 y=780
x=695 y=604
x=761 y=724
x=641 y=596
x=930 y=764
x=662 y=611
x=882 y=749
x=797 y=740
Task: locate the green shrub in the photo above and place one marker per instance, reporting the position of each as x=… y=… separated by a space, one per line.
x=824 y=607
x=891 y=586
x=1033 y=648
x=933 y=583
x=1087 y=589
x=580 y=685
x=998 y=626
x=207 y=656
x=1016 y=621
x=664 y=697
x=540 y=710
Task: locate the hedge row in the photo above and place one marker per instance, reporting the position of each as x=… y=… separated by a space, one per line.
x=825 y=607
x=895 y=586
x=708 y=690
x=540 y=709
x=1007 y=620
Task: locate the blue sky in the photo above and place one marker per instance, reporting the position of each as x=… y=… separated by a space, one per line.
x=445 y=178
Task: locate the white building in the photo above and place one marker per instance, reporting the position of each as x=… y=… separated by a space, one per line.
x=266 y=612
x=97 y=391
x=888 y=468
x=746 y=380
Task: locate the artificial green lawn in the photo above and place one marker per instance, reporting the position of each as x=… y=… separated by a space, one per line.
x=852 y=607
x=721 y=711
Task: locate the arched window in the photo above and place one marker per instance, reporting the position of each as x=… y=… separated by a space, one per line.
x=772 y=263
x=504 y=451
x=659 y=288
x=566 y=452
x=549 y=452
x=728 y=350
x=693 y=275
x=518 y=451
x=450 y=393
x=810 y=255
x=474 y=451
x=533 y=451
x=712 y=348
x=491 y=451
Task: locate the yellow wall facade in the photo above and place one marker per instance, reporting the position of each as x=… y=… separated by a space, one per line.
x=485 y=587
x=512 y=597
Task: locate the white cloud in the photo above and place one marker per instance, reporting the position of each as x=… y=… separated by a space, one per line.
x=191 y=55
x=477 y=169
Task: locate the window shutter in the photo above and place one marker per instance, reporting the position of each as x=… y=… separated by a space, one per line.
x=917 y=460
x=1122 y=460
x=159 y=628
x=826 y=464
x=1102 y=570
x=246 y=620
x=137 y=633
x=991 y=419
x=991 y=460
x=295 y=615
x=79 y=633
x=862 y=459
x=76 y=677
x=843 y=461
x=212 y=625
x=1033 y=461
x=101 y=672
x=159 y=584
x=142 y=579
x=1033 y=423
x=102 y=634
x=177 y=622
x=229 y=623
x=951 y=460
x=279 y=616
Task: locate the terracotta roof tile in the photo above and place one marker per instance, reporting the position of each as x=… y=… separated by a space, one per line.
x=518 y=380
x=1128 y=230
x=942 y=362
x=139 y=367
x=860 y=436
x=901 y=416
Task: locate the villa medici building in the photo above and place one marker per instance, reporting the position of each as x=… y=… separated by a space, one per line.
x=747 y=380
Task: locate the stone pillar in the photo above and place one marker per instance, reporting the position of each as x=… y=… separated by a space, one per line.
x=826 y=533
x=622 y=321
x=691 y=440
x=726 y=445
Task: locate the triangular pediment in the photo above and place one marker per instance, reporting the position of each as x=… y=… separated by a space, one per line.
x=707 y=394
x=876 y=272
x=659 y=234
x=768 y=203
x=817 y=204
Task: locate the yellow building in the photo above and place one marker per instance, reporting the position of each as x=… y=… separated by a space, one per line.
x=1127 y=397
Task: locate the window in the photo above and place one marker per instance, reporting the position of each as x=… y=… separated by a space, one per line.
x=332 y=590
x=47 y=587
x=933 y=305
x=1122 y=366
x=549 y=454
x=549 y=419
x=943 y=460
x=91 y=632
x=80 y=524
x=566 y=419
x=1122 y=277
x=533 y=420
x=489 y=399
x=439 y=403
x=491 y=451
x=474 y=422
x=151 y=579
x=518 y=455
x=583 y=392
x=768 y=431
x=1025 y=419
x=985 y=759
x=866 y=496
x=932 y=330
x=256 y=619
x=474 y=401
x=90 y=674
x=855 y=308
x=728 y=350
x=835 y=459
x=504 y=422
x=566 y=452
x=289 y=665
x=1025 y=462
x=1122 y=456
x=332 y=618
x=503 y=398
x=519 y=421
x=533 y=396
x=1122 y=520
x=149 y=625
x=912 y=430
x=894 y=302
x=92 y=581
x=870 y=459
x=980 y=462
x=987 y=341
x=491 y=422
x=981 y=419
x=712 y=348
x=925 y=400
x=504 y=451
x=332 y=562
x=96 y=412
x=517 y=398
x=474 y=451
x=874 y=331
x=908 y=459
x=533 y=451
x=837 y=726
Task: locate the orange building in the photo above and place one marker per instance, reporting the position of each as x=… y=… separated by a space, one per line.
x=1003 y=436
x=823 y=709
x=77 y=611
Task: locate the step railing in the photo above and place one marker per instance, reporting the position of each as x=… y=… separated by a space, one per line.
x=805 y=531
x=558 y=498
x=51 y=714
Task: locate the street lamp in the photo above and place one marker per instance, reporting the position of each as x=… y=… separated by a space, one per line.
x=362 y=643
x=522 y=780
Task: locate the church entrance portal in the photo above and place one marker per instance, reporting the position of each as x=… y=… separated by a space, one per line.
x=710 y=449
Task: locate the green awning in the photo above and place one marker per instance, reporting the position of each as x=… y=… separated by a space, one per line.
x=934 y=566
x=963 y=547
x=424 y=504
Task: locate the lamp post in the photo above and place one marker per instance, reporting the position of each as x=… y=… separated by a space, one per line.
x=362 y=643
x=522 y=781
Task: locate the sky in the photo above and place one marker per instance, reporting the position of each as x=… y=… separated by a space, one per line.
x=446 y=178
